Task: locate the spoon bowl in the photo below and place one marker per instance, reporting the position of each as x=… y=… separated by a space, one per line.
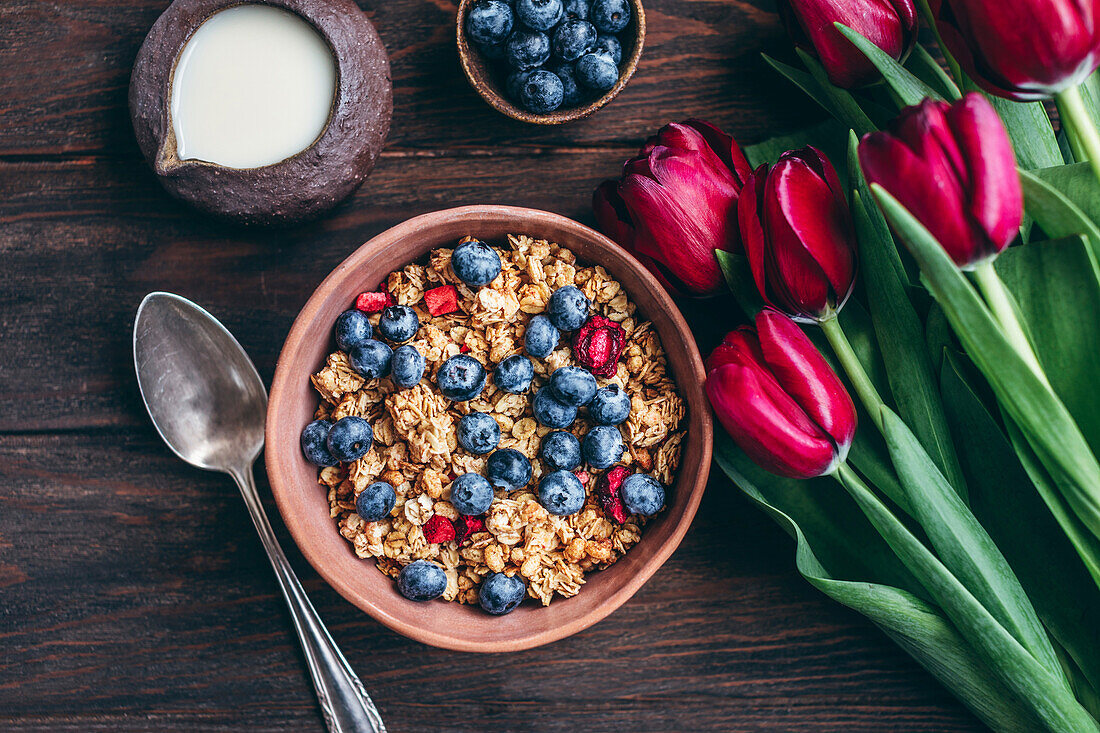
x=202 y=391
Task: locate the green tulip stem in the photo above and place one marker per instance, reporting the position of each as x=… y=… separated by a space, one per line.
x=868 y=395
x=1000 y=302
x=1079 y=126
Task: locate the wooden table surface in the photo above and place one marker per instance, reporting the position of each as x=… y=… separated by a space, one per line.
x=133 y=591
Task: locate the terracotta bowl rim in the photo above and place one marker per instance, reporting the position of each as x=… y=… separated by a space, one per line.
x=279 y=456
x=488 y=89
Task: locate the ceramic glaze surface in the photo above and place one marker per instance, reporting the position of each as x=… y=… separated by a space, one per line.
x=253 y=86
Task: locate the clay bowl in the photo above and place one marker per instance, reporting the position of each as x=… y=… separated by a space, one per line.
x=489 y=83
x=303 y=503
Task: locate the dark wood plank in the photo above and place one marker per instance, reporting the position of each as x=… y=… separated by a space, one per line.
x=65 y=67
x=136 y=597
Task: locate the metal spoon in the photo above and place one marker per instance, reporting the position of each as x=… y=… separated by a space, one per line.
x=208 y=404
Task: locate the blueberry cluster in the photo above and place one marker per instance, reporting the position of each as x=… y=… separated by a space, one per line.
x=372 y=358
x=553 y=53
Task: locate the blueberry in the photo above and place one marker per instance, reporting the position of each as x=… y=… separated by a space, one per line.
x=398 y=323
x=471 y=494
x=406 y=366
x=461 y=378
x=539 y=15
x=561 y=493
x=478 y=432
x=371 y=359
x=489 y=21
x=597 y=71
x=508 y=469
x=573 y=385
x=475 y=263
x=610 y=406
x=421 y=580
x=573 y=39
x=609 y=16
x=514 y=374
x=375 y=502
x=541 y=337
x=603 y=446
x=561 y=451
x=352 y=329
x=568 y=308
x=571 y=93
x=611 y=45
x=526 y=50
x=577 y=9
x=349 y=438
x=501 y=593
x=493 y=52
x=514 y=84
x=542 y=92
x=551 y=413
x=642 y=494
x=314 y=446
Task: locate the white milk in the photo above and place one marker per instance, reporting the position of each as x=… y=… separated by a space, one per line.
x=253 y=86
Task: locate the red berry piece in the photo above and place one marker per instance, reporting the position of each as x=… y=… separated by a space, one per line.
x=441 y=300
x=598 y=344
x=466 y=526
x=438 y=529
x=373 y=302
x=607 y=493
x=582 y=476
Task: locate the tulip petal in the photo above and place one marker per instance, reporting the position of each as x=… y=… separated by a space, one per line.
x=682 y=140
x=936 y=203
x=996 y=197
x=674 y=237
x=752 y=229
x=794 y=276
x=725 y=147
x=767 y=424
x=817 y=219
x=611 y=214
x=803 y=373
x=739 y=346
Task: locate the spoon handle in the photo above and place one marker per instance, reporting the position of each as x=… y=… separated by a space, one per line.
x=345 y=703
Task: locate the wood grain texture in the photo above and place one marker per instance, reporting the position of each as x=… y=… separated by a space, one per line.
x=133 y=593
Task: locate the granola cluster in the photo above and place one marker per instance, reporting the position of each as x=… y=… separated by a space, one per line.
x=416 y=451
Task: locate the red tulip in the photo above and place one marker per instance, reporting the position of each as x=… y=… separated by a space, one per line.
x=953 y=168
x=798 y=235
x=676 y=203
x=889 y=24
x=1022 y=49
x=779 y=400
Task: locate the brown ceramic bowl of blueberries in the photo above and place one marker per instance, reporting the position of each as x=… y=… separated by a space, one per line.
x=549 y=61
x=487 y=428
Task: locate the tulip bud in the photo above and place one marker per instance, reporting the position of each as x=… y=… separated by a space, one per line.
x=676 y=203
x=889 y=24
x=779 y=400
x=798 y=235
x=1021 y=49
x=953 y=168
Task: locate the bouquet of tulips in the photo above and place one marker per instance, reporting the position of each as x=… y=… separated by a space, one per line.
x=944 y=269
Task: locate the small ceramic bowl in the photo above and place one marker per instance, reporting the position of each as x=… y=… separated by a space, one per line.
x=304 y=504
x=489 y=83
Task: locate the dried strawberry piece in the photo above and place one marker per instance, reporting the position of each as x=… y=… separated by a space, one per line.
x=373 y=302
x=441 y=300
x=438 y=529
x=463 y=349
x=607 y=492
x=598 y=344
x=466 y=526
x=582 y=476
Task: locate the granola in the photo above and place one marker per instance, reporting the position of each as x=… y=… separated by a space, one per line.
x=416 y=451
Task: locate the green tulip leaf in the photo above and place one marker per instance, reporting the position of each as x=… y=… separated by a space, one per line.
x=928 y=70
x=1045 y=693
x=1055 y=212
x=735 y=269
x=836 y=101
x=828 y=531
x=907 y=88
x=900 y=335
x=1001 y=492
x=1061 y=320
x=1077 y=183
x=963 y=546
x=1043 y=419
